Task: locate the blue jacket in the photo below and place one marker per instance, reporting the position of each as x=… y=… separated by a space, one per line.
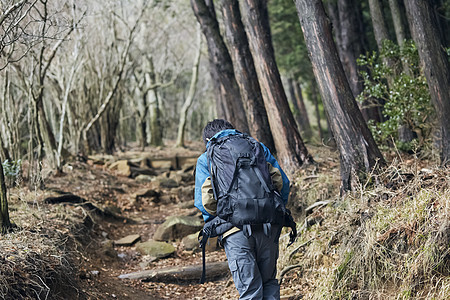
x=203 y=188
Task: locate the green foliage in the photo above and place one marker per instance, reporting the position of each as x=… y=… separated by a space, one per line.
x=405 y=94
x=12 y=170
x=287 y=37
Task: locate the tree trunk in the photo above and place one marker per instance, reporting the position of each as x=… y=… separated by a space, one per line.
x=300 y=113
x=245 y=73
x=291 y=150
x=443 y=22
x=350 y=47
x=399 y=27
x=228 y=99
x=380 y=31
x=434 y=60
x=358 y=152
x=316 y=106
x=4 y=213
x=190 y=96
x=346 y=22
x=154 y=123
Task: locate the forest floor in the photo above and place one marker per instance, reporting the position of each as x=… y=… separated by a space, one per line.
x=72 y=242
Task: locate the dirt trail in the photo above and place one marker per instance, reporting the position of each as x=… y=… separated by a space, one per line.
x=100 y=263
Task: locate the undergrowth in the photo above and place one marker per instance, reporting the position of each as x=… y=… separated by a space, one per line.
x=36 y=259
x=388 y=240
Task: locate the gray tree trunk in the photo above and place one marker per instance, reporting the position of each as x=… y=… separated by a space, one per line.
x=4 y=213
x=434 y=60
x=229 y=102
x=291 y=150
x=359 y=153
x=245 y=74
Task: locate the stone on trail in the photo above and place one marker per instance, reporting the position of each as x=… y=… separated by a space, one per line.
x=168 y=183
x=122 y=167
x=144 y=178
x=128 y=240
x=177 y=227
x=146 y=193
x=185 y=193
x=190 y=242
x=155 y=249
x=108 y=250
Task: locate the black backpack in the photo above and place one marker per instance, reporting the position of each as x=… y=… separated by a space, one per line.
x=243 y=188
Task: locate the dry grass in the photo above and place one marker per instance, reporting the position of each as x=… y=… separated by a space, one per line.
x=389 y=240
x=35 y=259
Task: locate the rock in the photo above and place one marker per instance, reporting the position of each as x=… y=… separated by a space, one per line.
x=108 y=249
x=187 y=163
x=161 y=163
x=168 y=183
x=177 y=227
x=146 y=193
x=176 y=177
x=145 y=163
x=122 y=167
x=136 y=171
x=188 y=168
x=155 y=249
x=187 y=178
x=190 y=242
x=187 y=204
x=167 y=198
x=128 y=240
x=185 y=193
x=146 y=261
x=143 y=178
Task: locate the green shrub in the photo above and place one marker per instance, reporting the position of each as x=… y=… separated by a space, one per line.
x=12 y=170
x=405 y=94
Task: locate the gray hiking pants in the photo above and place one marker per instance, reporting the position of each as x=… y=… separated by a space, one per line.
x=253 y=262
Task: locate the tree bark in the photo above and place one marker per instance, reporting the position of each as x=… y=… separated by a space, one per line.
x=190 y=96
x=434 y=60
x=291 y=150
x=399 y=27
x=229 y=102
x=245 y=73
x=300 y=113
x=358 y=152
x=350 y=47
x=316 y=107
x=380 y=30
x=154 y=122
x=4 y=213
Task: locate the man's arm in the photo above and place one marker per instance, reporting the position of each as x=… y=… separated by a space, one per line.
x=279 y=178
x=204 y=198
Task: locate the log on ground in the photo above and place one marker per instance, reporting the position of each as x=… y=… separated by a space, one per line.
x=214 y=270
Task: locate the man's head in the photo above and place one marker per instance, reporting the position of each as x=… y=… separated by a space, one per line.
x=214 y=127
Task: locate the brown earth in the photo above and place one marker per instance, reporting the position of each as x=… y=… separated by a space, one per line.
x=99 y=266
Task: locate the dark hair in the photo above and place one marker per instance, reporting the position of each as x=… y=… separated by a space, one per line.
x=214 y=127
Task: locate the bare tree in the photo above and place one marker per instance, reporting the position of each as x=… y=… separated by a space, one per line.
x=118 y=77
x=190 y=96
x=15 y=38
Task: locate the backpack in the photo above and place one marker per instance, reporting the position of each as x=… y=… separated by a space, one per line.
x=243 y=188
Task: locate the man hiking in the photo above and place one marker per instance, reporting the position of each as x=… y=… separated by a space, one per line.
x=241 y=191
